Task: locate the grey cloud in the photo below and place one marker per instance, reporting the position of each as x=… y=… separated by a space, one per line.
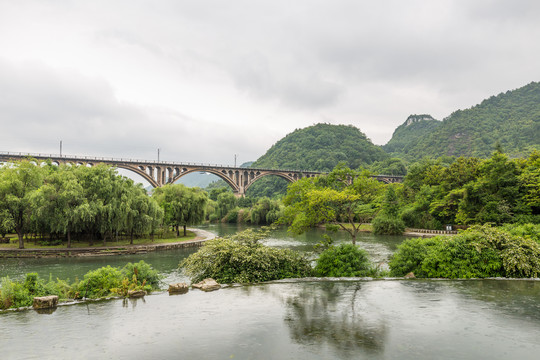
x=43 y=106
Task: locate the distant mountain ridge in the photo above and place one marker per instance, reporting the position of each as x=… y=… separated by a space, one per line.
x=510 y=120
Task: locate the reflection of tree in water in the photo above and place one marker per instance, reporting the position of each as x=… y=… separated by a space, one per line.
x=332 y=313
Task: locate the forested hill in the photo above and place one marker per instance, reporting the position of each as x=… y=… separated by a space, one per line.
x=407 y=134
x=511 y=120
x=321 y=147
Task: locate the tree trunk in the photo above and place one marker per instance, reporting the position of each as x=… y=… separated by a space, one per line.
x=131 y=241
x=177 y=231
x=20 y=234
x=185 y=231
x=69 y=239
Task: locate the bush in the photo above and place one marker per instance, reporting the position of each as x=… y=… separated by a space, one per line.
x=344 y=260
x=479 y=252
x=409 y=256
x=387 y=225
x=531 y=231
x=459 y=258
x=98 y=283
x=242 y=259
x=143 y=273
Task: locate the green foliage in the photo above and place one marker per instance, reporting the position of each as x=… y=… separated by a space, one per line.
x=102 y=282
x=479 y=252
x=409 y=256
x=407 y=134
x=344 y=197
x=99 y=283
x=388 y=221
x=510 y=119
x=345 y=260
x=392 y=166
x=388 y=225
x=143 y=273
x=265 y=212
x=73 y=201
x=319 y=147
x=241 y=258
x=181 y=205
x=528 y=231
x=458 y=257
x=472 y=191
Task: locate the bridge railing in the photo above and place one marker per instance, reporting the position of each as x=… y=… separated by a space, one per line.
x=138 y=161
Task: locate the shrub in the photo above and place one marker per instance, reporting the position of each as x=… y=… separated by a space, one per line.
x=143 y=273
x=388 y=225
x=409 y=256
x=480 y=251
x=345 y=260
x=242 y=259
x=98 y=283
x=459 y=258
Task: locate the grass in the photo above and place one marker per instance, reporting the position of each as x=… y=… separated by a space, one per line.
x=166 y=238
x=363 y=227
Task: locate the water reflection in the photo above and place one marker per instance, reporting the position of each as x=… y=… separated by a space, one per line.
x=332 y=314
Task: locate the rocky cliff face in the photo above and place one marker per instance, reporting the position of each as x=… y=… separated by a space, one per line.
x=417 y=118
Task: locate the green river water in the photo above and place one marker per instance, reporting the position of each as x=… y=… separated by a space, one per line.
x=295 y=319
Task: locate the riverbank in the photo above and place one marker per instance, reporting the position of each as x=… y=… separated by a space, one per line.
x=201 y=237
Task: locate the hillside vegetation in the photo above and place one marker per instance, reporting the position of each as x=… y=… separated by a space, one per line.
x=318 y=148
x=321 y=147
x=407 y=134
x=509 y=121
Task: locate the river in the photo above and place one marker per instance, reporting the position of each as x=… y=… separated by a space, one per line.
x=298 y=319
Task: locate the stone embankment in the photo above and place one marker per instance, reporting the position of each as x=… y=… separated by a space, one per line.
x=202 y=236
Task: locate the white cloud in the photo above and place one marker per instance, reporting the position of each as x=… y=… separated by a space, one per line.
x=206 y=80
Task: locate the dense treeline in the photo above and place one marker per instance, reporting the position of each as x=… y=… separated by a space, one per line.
x=511 y=119
x=472 y=191
x=223 y=206
x=62 y=203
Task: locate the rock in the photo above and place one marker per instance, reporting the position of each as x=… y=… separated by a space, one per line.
x=136 y=293
x=45 y=302
x=179 y=288
x=207 y=285
x=410 y=276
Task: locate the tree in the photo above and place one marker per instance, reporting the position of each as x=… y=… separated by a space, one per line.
x=343 y=198
x=388 y=221
x=61 y=204
x=181 y=205
x=18 y=181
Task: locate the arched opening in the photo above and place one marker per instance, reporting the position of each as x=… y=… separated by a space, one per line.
x=200 y=179
x=137 y=178
x=268 y=185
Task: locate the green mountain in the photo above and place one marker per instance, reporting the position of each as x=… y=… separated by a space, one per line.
x=319 y=147
x=510 y=120
x=407 y=134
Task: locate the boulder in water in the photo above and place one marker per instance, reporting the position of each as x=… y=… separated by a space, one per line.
x=207 y=285
x=45 y=302
x=136 y=293
x=178 y=288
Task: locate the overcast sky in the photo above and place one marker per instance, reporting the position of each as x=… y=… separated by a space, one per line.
x=204 y=80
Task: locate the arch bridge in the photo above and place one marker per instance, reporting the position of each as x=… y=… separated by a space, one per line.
x=159 y=173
